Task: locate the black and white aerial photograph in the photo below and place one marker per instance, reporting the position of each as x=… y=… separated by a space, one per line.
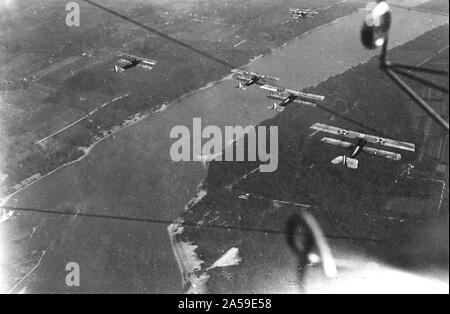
x=224 y=153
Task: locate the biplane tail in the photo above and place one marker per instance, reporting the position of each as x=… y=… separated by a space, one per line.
x=118 y=69
x=276 y=107
x=346 y=161
x=241 y=86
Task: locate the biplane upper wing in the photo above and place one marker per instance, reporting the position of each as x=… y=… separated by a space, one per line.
x=334 y=130
x=369 y=138
x=283 y=93
x=302 y=10
x=390 y=143
x=246 y=76
x=382 y=153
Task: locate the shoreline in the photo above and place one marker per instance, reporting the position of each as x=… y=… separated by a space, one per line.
x=191 y=283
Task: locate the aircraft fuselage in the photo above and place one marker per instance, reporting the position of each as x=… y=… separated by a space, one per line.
x=358 y=148
x=288 y=100
x=253 y=81
x=130 y=65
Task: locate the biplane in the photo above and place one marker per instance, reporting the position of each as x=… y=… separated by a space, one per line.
x=359 y=143
x=247 y=79
x=131 y=61
x=299 y=14
x=288 y=96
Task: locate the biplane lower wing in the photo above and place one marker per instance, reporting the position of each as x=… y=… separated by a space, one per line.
x=147 y=65
x=334 y=142
x=382 y=153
